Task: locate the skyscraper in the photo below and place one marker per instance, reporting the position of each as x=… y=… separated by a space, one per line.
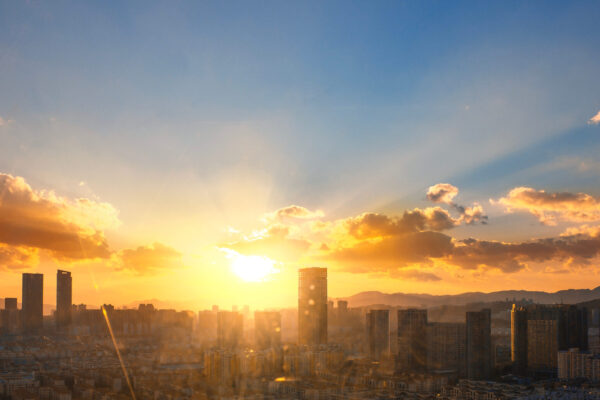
x=539 y=331
x=230 y=329
x=64 y=299
x=32 y=315
x=378 y=333
x=312 y=306
x=412 y=340
x=518 y=339
x=446 y=347
x=267 y=329
x=479 y=344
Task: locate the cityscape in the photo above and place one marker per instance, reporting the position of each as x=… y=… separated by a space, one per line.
x=299 y=200
x=321 y=350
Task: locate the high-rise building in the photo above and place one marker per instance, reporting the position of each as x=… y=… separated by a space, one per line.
x=412 y=340
x=10 y=303
x=378 y=333
x=64 y=298
x=539 y=331
x=518 y=339
x=267 y=329
x=479 y=344
x=312 y=306
x=32 y=314
x=446 y=347
x=230 y=329
x=9 y=316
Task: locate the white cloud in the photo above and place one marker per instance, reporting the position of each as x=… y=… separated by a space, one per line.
x=595 y=120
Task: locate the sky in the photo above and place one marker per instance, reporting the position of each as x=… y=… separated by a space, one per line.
x=199 y=153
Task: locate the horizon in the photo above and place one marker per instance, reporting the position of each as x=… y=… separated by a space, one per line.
x=204 y=152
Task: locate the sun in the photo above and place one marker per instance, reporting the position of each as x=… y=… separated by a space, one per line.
x=252 y=268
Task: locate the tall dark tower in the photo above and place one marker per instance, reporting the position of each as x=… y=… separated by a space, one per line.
x=479 y=344
x=33 y=303
x=518 y=339
x=64 y=298
x=412 y=340
x=378 y=333
x=312 y=306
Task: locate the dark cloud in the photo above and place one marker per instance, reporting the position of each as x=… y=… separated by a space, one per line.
x=370 y=225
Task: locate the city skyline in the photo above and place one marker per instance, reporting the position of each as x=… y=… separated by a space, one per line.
x=202 y=154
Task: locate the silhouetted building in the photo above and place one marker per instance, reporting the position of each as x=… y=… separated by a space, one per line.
x=312 y=306
x=9 y=316
x=412 y=340
x=267 y=329
x=10 y=303
x=539 y=332
x=518 y=339
x=64 y=298
x=378 y=333
x=230 y=329
x=446 y=347
x=479 y=344
x=32 y=315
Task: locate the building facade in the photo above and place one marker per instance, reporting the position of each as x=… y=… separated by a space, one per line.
x=312 y=306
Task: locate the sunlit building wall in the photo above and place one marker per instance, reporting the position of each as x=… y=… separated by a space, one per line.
x=312 y=306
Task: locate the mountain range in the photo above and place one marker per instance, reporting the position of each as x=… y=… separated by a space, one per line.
x=569 y=296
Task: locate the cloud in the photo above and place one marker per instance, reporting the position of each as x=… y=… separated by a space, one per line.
x=16 y=258
x=442 y=193
x=550 y=207
x=370 y=225
x=292 y=212
x=68 y=229
x=415 y=275
x=274 y=242
x=595 y=120
x=147 y=260
x=445 y=193
x=5 y=122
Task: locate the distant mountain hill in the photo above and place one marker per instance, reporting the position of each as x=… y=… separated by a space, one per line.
x=569 y=296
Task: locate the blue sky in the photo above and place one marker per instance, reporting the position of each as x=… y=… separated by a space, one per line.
x=167 y=110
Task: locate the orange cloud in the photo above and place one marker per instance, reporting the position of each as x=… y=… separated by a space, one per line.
x=595 y=120
x=550 y=207
x=293 y=212
x=15 y=258
x=69 y=230
x=146 y=260
x=445 y=193
x=442 y=193
x=275 y=242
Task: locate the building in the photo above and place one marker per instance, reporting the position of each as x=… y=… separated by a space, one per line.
x=32 y=315
x=267 y=329
x=575 y=364
x=446 y=347
x=230 y=329
x=539 y=332
x=518 y=339
x=64 y=298
x=312 y=306
x=479 y=344
x=378 y=333
x=412 y=340
x=9 y=317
